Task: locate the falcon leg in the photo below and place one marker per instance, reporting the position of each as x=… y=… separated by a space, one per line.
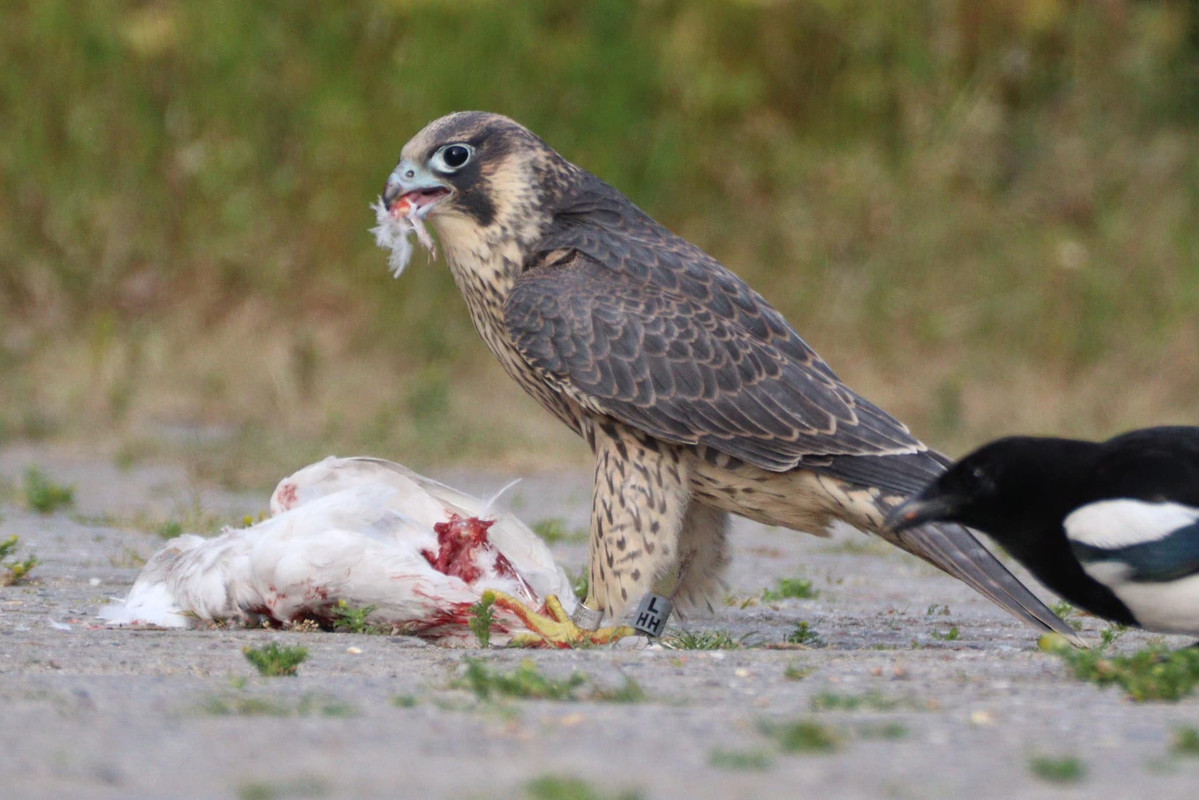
x=703 y=555
x=641 y=497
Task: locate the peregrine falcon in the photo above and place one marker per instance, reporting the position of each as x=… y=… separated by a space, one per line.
x=696 y=396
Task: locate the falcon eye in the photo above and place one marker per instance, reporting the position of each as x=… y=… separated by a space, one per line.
x=451 y=157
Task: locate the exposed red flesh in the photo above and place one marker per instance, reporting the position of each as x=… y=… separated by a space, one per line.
x=408 y=202
x=504 y=567
x=456 y=616
x=457 y=542
x=287 y=495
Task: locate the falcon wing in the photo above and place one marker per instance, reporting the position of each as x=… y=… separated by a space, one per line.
x=636 y=323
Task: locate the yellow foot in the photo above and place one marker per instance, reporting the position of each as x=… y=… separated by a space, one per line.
x=555 y=628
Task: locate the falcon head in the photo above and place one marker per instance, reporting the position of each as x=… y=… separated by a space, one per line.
x=476 y=177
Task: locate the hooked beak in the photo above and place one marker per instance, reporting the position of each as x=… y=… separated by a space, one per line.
x=920 y=509
x=411 y=189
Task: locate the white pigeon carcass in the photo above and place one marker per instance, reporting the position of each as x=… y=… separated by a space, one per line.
x=365 y=531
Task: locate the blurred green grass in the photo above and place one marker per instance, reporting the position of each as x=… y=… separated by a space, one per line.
x=982 y=214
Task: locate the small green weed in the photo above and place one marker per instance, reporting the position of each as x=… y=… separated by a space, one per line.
x=526 y=681
x=1154 y=673
x=18 y=570
x=481 y=619
x=741 y=601
x=300 y=787
x=872 y=701
x=170 y=529
x=937 y=608
x=241 y=705
x=315 y=705
x=1186 y=742
x=1066 y=769
x=554 y=787
x=799 y=588
x=554 y=530
x=1111 y=634
x=351 y=619
x=273 y=660
x=806 y=635
x=43 y=495
x=950 y=635
x=404 y=701
x=196 y=519
x=702 y=640
x=255 y=790
x=804 y=736
x=250 y=520
x=891 y=731
x=740 y=760
x=1068 y=613
x=794 y=672
x=128 y=559
x=629 y=692
x=102 y=520
x=1063 y=609
x=14 y=571
x=581 y=584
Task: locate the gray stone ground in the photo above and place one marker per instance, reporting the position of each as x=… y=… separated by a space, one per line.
x=96 y=713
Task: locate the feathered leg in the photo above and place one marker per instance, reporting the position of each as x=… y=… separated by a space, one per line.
x=640 y=500
x=703 y=555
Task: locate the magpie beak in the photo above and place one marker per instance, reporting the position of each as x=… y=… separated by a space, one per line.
x=920 y=509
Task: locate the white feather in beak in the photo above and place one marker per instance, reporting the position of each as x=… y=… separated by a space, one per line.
x=393 y=231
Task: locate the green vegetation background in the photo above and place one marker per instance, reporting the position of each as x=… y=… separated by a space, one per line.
x=983 y=214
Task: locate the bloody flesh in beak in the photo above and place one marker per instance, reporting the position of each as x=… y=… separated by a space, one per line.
x=408 y=197
x=920 y=510
x=416 y=201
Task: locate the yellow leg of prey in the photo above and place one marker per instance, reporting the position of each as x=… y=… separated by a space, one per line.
x=556 y=628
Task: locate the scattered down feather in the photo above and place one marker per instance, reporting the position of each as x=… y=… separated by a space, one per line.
x=360 y=530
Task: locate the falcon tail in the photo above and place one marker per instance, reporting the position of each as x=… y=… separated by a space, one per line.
x=954 y=549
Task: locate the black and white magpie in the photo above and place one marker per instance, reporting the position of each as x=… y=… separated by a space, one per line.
x=1112 y=527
